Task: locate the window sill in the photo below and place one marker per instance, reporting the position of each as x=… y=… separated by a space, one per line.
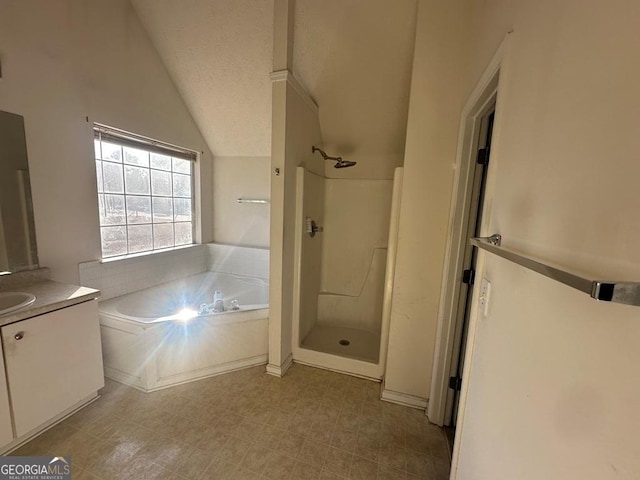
x=145 y=254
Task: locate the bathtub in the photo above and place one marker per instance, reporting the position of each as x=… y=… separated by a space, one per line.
x=159 y=337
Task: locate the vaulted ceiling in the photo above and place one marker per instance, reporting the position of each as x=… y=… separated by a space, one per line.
x=354 y=57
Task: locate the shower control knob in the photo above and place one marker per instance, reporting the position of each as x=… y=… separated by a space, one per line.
x=19 y=336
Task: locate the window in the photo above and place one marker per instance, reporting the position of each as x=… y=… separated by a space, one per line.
x=145 y=193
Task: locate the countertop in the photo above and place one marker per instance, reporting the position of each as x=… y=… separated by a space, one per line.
x=50 y=296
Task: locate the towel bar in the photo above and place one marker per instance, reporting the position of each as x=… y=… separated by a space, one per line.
x=627 y=293
x=253 y=200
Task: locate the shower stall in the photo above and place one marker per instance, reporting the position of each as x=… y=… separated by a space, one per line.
x=345 y=242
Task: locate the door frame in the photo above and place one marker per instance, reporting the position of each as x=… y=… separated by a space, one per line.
x=484 y=93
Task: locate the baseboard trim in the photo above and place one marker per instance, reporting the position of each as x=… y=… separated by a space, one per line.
x=39 y=430
x=404 y=399
x=167 y=382
x=280 y=370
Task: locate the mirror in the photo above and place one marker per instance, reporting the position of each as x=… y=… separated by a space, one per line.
x=18 y=249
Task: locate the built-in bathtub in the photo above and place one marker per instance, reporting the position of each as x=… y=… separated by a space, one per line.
x=160 y=336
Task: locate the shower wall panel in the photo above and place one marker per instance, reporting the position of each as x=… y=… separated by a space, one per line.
x=311 y=250
x=356 y=230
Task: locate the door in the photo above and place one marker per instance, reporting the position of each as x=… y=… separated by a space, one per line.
x=474 y=222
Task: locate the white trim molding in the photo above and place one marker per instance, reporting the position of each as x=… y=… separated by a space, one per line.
x=485 y=91
x=280 y=370
x=404 y=399
x=287 y=76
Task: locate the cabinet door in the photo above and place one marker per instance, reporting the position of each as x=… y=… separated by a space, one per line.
x=6 y=430
x=53 y=361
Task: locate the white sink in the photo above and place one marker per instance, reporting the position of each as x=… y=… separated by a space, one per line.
x=11 y=301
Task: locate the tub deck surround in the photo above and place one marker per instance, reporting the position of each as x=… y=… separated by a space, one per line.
x=120 y=276
x=50 y=296
x=247 y=261
x=148 y=345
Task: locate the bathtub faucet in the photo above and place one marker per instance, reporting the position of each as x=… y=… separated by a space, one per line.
x=218 y=301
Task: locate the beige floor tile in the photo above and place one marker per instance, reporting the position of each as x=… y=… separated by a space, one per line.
x=348 y=421
x=280 y=419
x=313 y=453
x=212 y=440
x=194 y=463
x=388 y=473
x=322 y=432
x=128 y=433
x=256 y=459
x=394 y=457
x=338 y=461
x=220 y=470
x=290 y=444
x=371 y=427
x=328 y=475
x=368 y=446
x=85 y=449
x=344 y=440
x=233 y=451
x=84 y=475
x=279 y=467
x=244 y=474
x=165 y=451
x=440 y=470
x=258 y=415
x=362 y=469
x=305 y=471
x=121 y=464
x=247 y=429
x=269 y=437
x=300 y=424
x=418 y=463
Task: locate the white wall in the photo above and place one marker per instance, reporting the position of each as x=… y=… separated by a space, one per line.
x=553 y=389
x=245 y=224
x=67 y=60
x=437 y=95
x=295 y=129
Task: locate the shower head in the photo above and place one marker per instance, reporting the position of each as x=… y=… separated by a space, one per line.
x=339 y=162
x=344 y=164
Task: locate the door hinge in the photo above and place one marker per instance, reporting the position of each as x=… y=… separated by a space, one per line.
x=455 y=383
x=468 y=276
x=483 y=156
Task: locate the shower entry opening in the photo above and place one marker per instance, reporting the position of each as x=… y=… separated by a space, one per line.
x=345 y=242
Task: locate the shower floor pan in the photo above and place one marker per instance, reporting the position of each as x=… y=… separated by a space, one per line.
x=345 y=342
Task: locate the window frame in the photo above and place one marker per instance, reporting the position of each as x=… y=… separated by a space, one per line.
x=103 y=133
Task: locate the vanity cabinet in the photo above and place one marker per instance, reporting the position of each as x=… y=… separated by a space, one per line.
x=53 y=364
x=6 y=431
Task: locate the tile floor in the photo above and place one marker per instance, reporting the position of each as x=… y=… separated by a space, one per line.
x=311 y=424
